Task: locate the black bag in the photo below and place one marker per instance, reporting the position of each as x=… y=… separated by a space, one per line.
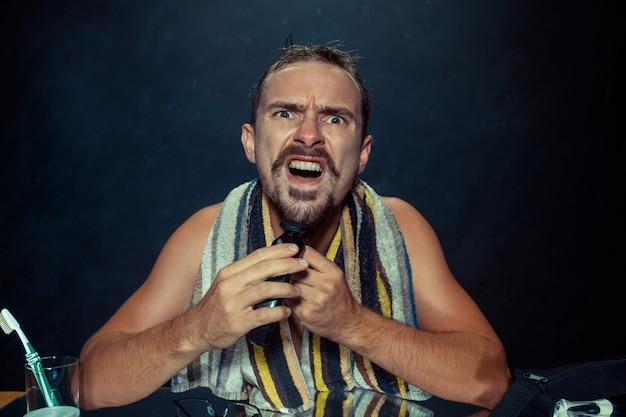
x=535 y=393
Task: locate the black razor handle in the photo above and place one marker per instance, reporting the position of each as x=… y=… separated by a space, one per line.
x=293 y=234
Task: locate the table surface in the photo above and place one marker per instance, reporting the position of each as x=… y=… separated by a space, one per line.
x=8 y=396
x=160 y=404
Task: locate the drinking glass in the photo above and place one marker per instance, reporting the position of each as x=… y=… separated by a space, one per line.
x=61 y=372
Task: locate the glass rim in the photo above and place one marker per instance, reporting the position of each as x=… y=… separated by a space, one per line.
x=67 y=360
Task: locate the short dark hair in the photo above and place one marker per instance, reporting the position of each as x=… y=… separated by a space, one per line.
x=315 y=53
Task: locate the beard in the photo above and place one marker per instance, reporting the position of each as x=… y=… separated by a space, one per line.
x=300 y=208
x=312 y=207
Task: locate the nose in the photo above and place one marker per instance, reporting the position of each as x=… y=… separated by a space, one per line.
x=309 y=132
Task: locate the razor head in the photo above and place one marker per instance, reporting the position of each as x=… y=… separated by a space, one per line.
x=293 y=226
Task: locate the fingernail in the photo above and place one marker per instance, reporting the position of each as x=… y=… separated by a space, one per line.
x=293 y=247
x=303 y=262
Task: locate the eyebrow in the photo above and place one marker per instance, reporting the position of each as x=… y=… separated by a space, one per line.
x=285 y=105
x=339 y=111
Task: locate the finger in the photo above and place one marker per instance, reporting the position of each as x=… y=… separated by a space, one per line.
x=242 y=291
x=270 y=290
x=281 y=251
x=272 y=268
x=268 y=315
x=305 y=277
x=306 y=283
x=318 y=261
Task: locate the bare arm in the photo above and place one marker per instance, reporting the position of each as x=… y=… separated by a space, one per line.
x=455 y=354
x=154 y=334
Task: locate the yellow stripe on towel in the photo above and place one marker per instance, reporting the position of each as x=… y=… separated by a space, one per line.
x=402 y=387
x=320 y=403
x=266 y=377
x=383 y=296
x=320 y=385
x=267 y=223
x=292 y=360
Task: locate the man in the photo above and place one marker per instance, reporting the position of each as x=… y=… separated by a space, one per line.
x=372 y=303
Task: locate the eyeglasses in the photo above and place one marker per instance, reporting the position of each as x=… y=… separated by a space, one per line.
x=201 y=407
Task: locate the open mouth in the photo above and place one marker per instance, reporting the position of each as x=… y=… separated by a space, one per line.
x=305 y=169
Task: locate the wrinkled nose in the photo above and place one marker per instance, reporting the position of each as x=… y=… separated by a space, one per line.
x=309 y=133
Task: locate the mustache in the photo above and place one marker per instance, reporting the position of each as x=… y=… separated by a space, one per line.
x=307 y=152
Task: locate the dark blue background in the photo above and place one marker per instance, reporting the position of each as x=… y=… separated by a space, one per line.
x=498 y=120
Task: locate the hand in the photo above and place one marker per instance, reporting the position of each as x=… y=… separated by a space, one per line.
x=226 y=313
x=326 y=305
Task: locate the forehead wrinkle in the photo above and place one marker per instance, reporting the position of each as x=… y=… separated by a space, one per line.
x=298 y=105
x=286 y=105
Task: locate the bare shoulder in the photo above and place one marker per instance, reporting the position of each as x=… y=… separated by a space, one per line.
x=441 y=303
x=409 y=219
x=421 y=241
x=206 y=214
x=169 y=286
x=187 y=242
x=183 y=251
x=200 y=223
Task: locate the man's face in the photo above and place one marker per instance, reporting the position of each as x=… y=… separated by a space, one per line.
x=306 y=142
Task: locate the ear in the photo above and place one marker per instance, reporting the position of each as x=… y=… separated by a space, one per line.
x=247 y=140
x=366 y=147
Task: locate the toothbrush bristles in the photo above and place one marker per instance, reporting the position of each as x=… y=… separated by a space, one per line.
x=5 y=325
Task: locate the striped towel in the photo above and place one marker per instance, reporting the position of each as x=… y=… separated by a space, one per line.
x=365 y=403
x=369 y=248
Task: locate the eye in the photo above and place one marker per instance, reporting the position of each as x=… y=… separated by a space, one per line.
x=336 y=120
x=284 y=114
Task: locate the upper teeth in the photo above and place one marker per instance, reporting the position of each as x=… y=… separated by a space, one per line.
x=305 y=166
